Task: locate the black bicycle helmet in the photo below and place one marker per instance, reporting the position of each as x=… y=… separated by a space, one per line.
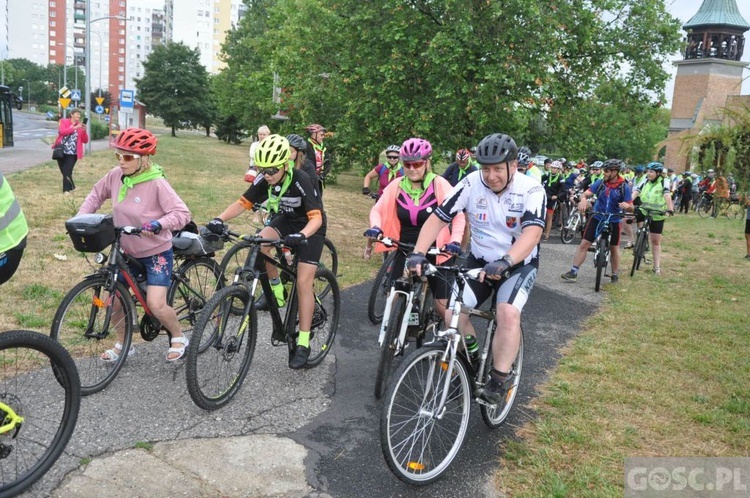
x=496 y=148
x=297 y=142
x=612 y=164
x=524 y=156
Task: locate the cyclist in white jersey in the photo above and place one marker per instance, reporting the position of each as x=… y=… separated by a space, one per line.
x=506 y=212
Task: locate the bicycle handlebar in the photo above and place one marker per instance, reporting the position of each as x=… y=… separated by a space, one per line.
x=389 y=242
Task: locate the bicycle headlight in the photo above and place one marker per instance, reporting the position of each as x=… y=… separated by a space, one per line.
x=100 y=258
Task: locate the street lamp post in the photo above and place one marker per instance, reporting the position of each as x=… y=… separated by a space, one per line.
x=88 y=69
x=101 y=49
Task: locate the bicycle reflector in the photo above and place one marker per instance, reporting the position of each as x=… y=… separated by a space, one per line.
x=100 y=258
x=416 y=466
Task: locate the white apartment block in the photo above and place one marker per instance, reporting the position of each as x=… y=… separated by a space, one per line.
x=52 y=32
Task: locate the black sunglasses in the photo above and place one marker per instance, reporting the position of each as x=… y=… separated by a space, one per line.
x=392 y=157
x=269 y=171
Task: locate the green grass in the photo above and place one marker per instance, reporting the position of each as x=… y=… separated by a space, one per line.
x=144 y=445
x=660 y=370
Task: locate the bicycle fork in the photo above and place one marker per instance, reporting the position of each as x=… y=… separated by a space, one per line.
x=401 y=339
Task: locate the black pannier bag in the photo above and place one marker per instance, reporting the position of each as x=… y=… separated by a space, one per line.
x=91 y=232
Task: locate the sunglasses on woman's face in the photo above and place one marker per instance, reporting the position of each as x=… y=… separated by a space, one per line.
x=414 y=164
x=269 y=171
x=126 y=157
x=392 y=157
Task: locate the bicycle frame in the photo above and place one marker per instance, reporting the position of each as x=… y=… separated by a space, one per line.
x=11 y=418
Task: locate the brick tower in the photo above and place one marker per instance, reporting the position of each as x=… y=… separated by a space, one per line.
x=709 y=74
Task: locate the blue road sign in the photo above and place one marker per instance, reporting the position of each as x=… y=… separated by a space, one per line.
x=99 y=109
x=75 y=95
x=127 y=99
x=106 y=118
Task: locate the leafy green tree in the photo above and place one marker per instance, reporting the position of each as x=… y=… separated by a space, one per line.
x=174 y=86
x=451 y=71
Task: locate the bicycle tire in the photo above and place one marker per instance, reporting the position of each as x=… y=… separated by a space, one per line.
x=81 y=309
x=215 y=375
x=328 y=310
x=639 y=250
x=704 y=209
x=733 y=211
x=233 y=260
x=380 y=288
x=39 y=381
x=329 y=259
x=418 y=447
x=389 y=347
x=600 y=263
x=568 y=233
x=494 y=417
x=193 y=285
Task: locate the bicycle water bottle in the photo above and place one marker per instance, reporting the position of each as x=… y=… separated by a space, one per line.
x=288 y=255
x=472 y=348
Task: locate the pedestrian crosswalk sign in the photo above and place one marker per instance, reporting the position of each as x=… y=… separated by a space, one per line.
x=75 y=95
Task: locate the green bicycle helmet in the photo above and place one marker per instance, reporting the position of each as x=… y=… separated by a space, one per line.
x=273 y=151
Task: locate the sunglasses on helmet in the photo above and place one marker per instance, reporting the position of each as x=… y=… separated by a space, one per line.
x=126 y=157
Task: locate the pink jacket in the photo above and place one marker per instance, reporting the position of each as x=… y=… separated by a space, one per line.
x=66 y=128
x=153 y=200
x=383 y=215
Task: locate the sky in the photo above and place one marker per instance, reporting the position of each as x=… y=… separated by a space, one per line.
x=684 y=10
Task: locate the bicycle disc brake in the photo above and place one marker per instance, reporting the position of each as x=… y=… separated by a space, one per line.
x=150 y=328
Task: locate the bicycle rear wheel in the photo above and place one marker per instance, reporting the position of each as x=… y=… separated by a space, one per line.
x=192 y=286
x=85 y=324
x=495 y=416
x=329 y=259
x=39 y=382
x=417 y=445
x=326 y=316
x=734 y=211
x=390 y=344
x=380 y=288
x=215 y=375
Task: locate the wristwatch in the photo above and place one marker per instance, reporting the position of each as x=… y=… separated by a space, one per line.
x=509 y=260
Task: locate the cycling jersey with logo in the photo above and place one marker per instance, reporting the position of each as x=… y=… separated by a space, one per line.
x=496 y=220
x=300 y=202
x=412 y=215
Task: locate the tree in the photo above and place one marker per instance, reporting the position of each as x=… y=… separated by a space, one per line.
x=174 y=86
x=451 y=71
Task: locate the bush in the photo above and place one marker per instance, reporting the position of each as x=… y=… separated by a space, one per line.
x=99 y=129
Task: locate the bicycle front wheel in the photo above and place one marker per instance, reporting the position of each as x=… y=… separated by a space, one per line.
x=380 y=288
x=192 y=285
x=325 y=316
x=639 y=251
x=39 y=382
x=568 y=233
x=600 y=262
x=495 y=416
x=390 y=344
x=215 y=375
x=86 y=323
x=704 y=209
x=420 y=438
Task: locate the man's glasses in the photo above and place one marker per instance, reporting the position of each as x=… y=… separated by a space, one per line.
x=269 y=171
x=414 y=164
x=126 y=157
x=392 y=157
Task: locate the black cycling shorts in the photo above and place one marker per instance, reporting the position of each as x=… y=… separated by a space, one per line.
x=614 y=231
x=308 y=253
x=656 y=227
x=441 y=283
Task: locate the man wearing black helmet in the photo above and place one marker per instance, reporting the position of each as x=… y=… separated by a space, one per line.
x=506 y=212
x=613 y=194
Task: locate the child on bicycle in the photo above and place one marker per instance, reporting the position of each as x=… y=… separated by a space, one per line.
x=506 y=212
x=406 y=204
x=142 y=197
x=298 y=219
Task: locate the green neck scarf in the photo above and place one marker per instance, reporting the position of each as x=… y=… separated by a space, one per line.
x=463 y=171
x=128 y=182
x=392 y=171
x=416 y=192
x=273 y=198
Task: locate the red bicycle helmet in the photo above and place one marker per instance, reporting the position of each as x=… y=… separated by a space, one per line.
x=315 y=128
x=137 y=141
x=463 y=155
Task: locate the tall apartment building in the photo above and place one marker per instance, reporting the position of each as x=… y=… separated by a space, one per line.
x=53 y=32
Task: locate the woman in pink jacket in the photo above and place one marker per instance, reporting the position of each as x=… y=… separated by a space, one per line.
x=142 y=197
x=407 y=203
x=71 y=133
